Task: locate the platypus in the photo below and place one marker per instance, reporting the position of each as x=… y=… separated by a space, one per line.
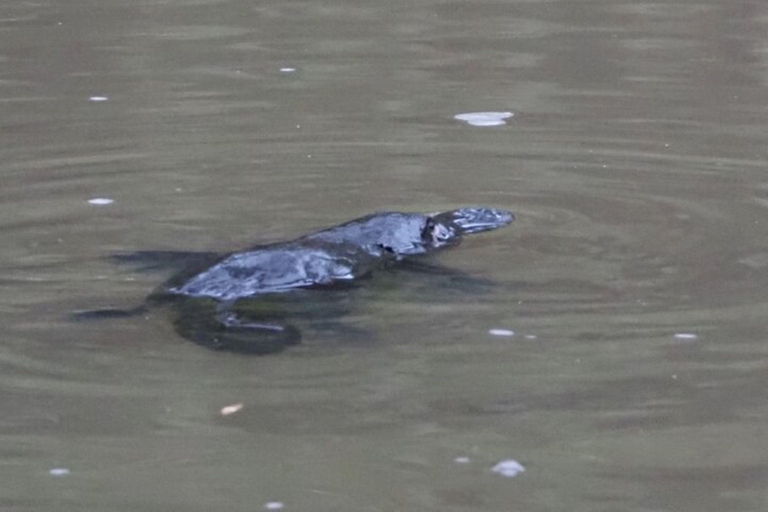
x=322 y=259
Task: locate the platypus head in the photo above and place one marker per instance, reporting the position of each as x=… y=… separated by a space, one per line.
x=473 y=219
x=447 y=228
x=405 y=234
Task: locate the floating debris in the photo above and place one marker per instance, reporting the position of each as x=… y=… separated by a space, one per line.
x=98 y=98
x=59 y=471
x=274 y=505
x=100 y=201
x=508 y=468
x=462 y=460
x=685 y=336
x=530 y=336
x=287 y=70
x=501 y=332
x=484 y=118
x=231 y=409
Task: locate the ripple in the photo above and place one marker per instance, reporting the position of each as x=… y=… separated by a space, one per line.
x=611 y=249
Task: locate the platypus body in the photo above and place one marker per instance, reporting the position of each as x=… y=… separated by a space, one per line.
x=335 y=255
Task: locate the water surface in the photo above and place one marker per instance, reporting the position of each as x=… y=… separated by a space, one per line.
x=635 y=162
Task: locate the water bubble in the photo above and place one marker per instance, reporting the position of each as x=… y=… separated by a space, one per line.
x=484 y=118
x=287 y=70
x=501 y=332
x=508 y=468
x=59 y=471
x=685 y=336
x=461 y=460
x=274 y=505
x=98 y=98
x=101 y=201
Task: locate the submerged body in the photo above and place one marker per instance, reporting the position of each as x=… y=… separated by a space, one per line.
x=340 y=253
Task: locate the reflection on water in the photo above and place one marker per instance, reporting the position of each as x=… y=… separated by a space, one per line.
x=635 y=164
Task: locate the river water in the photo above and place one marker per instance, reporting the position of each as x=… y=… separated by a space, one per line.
x=635 y=278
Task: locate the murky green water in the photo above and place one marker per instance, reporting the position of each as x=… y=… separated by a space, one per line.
x=636 y=163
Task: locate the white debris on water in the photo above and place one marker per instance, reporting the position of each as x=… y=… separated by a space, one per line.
x=508 y=468
x=484 y=118
x=98 y=98
x=287 y=70
x=461 y=460
x=101 y=201
x=231 y=409
x=59 y=472
x=274 y=505
x=530 y=336
x=501 y=332
x=685 y=336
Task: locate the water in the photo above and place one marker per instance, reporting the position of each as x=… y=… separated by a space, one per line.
x=635 y=163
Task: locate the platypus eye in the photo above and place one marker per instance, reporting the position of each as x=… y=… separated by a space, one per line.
x=437 y=234
x=428 y=230
x=386 y=248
